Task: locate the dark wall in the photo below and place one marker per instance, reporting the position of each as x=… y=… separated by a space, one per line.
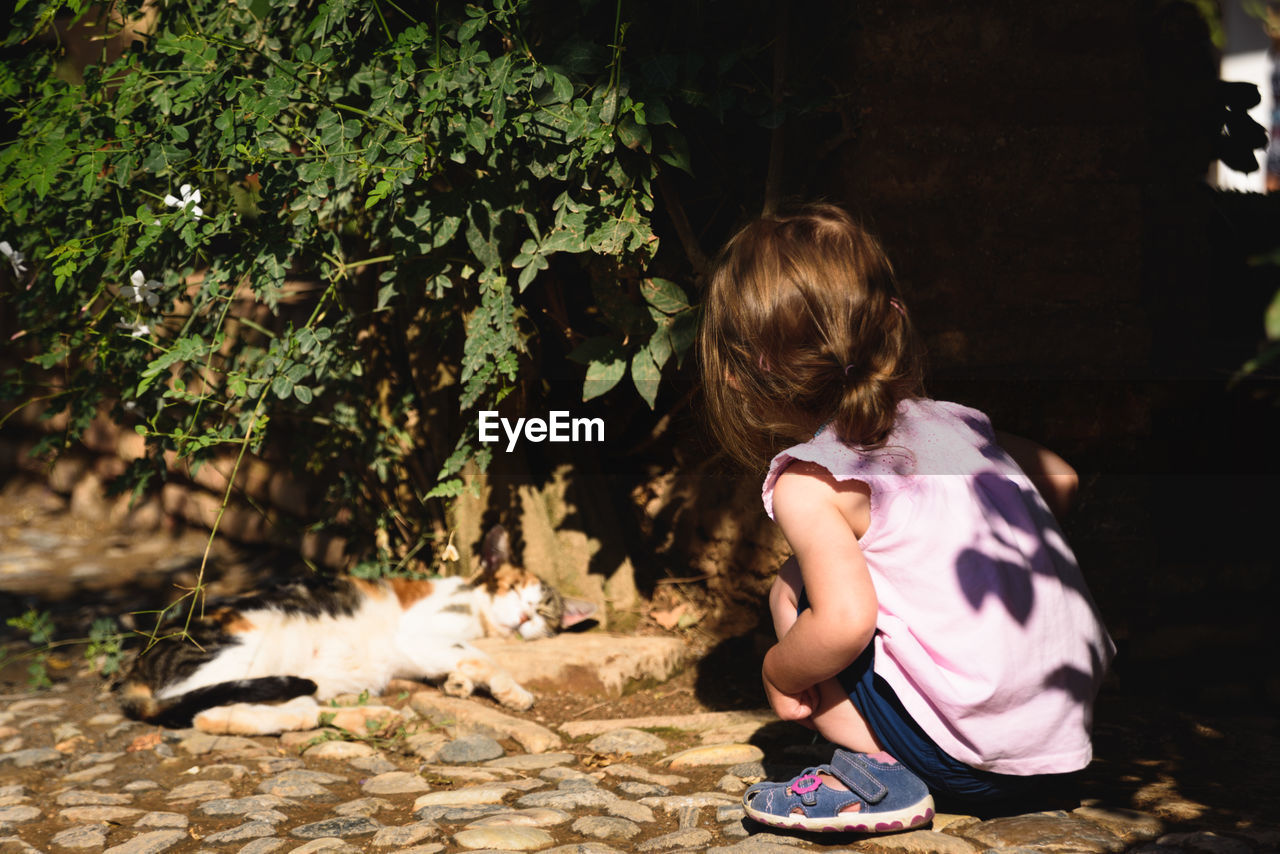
x=1036 y=171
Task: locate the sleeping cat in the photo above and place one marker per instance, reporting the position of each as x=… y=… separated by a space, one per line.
x=346 y=635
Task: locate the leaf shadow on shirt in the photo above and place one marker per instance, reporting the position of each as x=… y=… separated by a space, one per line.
x=1016 y=511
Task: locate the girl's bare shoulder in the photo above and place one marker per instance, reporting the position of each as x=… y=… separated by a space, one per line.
x=805 y=487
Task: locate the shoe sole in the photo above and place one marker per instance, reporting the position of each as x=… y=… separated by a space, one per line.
x=916 y=815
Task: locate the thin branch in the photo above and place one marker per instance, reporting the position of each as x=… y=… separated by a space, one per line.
x=773 y=178
x=689 y=240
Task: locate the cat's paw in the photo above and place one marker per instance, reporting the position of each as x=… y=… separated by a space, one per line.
x=510 y=694
x=458 y=685
x=300 y=713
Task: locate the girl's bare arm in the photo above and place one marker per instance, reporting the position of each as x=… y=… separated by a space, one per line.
x=1052 y=475
x=815 y=512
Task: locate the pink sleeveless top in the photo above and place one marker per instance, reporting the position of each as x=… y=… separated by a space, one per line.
x=986 y=630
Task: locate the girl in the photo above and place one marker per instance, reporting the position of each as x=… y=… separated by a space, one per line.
x=933 y=620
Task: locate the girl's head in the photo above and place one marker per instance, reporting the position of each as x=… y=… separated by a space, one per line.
x=802 y=326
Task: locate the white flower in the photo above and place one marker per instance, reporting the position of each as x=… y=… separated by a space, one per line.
x=14 y=256
x=137 y=328
x=189 y=197
x=142 y=289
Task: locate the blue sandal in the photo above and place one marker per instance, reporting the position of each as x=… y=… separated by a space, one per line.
x=890 y=798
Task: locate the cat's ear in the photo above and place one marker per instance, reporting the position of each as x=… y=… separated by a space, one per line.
x=575 y=611
x=495 y=550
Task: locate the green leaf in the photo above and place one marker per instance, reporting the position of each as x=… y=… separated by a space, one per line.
x=609 y=106
x=646 y=375
x=634 y=135
x=385 y=293
x=477 y=134
x=677 y=150
x=683 y=333
x=602 y=376
x=378 y=193
x=1271 y=321
x=601 y=348
x=664 y=295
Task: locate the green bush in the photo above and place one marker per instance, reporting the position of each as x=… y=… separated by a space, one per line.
x=346 y=228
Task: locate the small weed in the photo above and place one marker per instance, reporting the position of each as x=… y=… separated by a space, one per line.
x=39 y=628
x=106 y=646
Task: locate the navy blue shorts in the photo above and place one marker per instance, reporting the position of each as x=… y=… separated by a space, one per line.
x=904 y=740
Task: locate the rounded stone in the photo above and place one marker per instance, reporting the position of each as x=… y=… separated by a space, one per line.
x=933 y=842
x=105 y=719
x=395 y=783
x=202 y=743
x=325 y=845
x=341 y=827
x=457 y=815
x=694 y=837
x=31 y=757
x=150 y=843
x=243 y=833
x=362 y=806
x=532 y=817
x=571 y=799
x=200 y=790
x=339 y=750
x=636 y=789
x=266 y=845
x=1041 y=831
x=605 y=827
x=18 y=814
x=405 y=835
x=631 y=811
x=299 y=783
x=308 y=775
x=375 y=764
x=509 y=838
x=626 y=740
x=731 y=784
x=463 y=797
x=471 y=748
x=242 y=806
x=751 y=772
x=715 y=754
x=116 y=814
x=82 y=836
x=162 y=819
x=1130 y=825
x=532 y=761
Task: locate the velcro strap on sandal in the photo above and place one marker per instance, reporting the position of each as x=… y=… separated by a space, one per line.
x=854 y=771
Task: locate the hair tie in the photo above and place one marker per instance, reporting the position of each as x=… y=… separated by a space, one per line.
x=848 y=368
x=897 y=304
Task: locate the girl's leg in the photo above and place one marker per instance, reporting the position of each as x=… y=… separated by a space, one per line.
x=840 y=722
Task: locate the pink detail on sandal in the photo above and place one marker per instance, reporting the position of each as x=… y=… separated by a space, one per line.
x=811 y=783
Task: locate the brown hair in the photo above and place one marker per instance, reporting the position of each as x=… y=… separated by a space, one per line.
x=802 y=327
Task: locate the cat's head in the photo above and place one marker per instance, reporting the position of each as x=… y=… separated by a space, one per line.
x=519 y=602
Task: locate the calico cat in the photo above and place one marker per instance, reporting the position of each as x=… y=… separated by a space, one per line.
x=346 y=635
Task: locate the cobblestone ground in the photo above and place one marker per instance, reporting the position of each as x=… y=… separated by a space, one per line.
x=417 y=772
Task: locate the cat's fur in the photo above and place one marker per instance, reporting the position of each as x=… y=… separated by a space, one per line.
x=344 y=636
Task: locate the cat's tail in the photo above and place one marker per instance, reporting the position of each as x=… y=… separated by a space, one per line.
x=138 y=702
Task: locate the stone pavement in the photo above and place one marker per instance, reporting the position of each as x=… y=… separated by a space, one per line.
x=446 y=775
